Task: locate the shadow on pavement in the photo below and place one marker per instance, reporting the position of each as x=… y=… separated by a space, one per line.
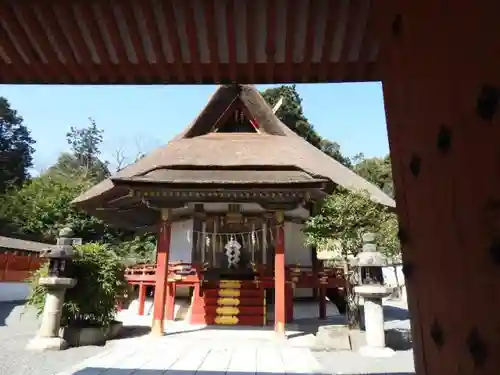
x=7 y=309
x=116 y=371
x=129 y=331
x=395 y=313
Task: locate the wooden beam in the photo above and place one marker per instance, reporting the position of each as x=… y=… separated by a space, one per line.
x=192 y=35
x=88 y=14
x=368 y=38
x=38 y=34
x=114 y=35
x=225 y=115
x=69 y=26
x=213 y=46
x=249 y=117
x=330 y=31
x=251 y=13
x=15 y=27
x=17 y=65
x=312 y=19
x=173 y=38
x=134 y=33
x=270 y=38
x=291 y=13
x=49 y=16
x=353 y=14
x=231 y=40
x=156 y=43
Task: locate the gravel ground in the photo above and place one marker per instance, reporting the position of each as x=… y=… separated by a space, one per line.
x=16 y=329
x=18 y=326
x=345 y=362
x=351 y=363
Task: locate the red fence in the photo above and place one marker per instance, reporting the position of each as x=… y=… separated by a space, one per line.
x=187 y=273
x=17 y=268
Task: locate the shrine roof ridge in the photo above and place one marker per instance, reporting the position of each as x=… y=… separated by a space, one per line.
x=273 y=146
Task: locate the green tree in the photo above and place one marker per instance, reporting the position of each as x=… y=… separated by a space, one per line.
x=16 y=148
x=376 y=170
x=85 y=154
x=101 y=281
x=338 y=227
x=292 y=115
x=42 y=207
x=138 y=249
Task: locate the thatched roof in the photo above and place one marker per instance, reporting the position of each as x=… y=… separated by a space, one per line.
x=274 y=148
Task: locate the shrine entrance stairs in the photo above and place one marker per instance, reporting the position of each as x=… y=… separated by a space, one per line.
x=229 y=302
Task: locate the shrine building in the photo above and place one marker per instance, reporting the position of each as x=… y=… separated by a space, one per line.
x=438 y=64
x=230 y=194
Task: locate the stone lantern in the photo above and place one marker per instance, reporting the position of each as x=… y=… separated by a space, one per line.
x=59 y=279
x=61 y=255
x=369 y=264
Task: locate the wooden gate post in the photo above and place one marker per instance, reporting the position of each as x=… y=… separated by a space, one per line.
x=441 y=87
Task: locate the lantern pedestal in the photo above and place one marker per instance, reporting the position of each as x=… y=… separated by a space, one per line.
x=374 y=320
x=47 y=337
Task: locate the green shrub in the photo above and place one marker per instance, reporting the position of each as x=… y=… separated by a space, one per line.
x=100 y=282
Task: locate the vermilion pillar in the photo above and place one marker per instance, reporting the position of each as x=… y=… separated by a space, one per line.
x=170 y=307
x=162 y=254
x=441 y=62
x=279 y=276
x=142 y=298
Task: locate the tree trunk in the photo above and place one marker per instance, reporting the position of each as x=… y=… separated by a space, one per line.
x=353 y=312
x=398 y=288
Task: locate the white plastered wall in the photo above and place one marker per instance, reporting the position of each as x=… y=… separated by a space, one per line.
x=14 y=291
x=297 y=252
x=181 y=246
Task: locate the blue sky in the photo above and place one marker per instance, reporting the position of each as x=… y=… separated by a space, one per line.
x=140 y=118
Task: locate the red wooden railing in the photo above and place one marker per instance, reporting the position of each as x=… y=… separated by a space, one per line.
x=299 y=276
x=17 y=268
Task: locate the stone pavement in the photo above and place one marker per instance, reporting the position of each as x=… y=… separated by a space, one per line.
x=224 y=354
x=237 y=350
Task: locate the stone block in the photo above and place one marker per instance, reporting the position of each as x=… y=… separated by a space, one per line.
x=40 y=343
x=85 y=336
x=332 y=337
x=357 y=339
x=398 y=338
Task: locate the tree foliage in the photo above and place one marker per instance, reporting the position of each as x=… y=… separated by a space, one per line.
x=376 y=170
x=43 y=206
x=92 y=301
x=16 y=148
x=341 y=221
x=84 y=159
x=292 y=115
x=338 y=227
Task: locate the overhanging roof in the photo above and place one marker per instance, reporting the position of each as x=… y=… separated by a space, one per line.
x=187 y=41
x=275 y=147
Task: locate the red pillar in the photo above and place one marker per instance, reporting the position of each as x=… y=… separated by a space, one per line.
x=279 y=276
x=322 y=291
x=142 y=298
x=170 y=301
x=442 y=95
x=315 y=266
x=289 y=302
x=322 y=302
x=162 y=253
